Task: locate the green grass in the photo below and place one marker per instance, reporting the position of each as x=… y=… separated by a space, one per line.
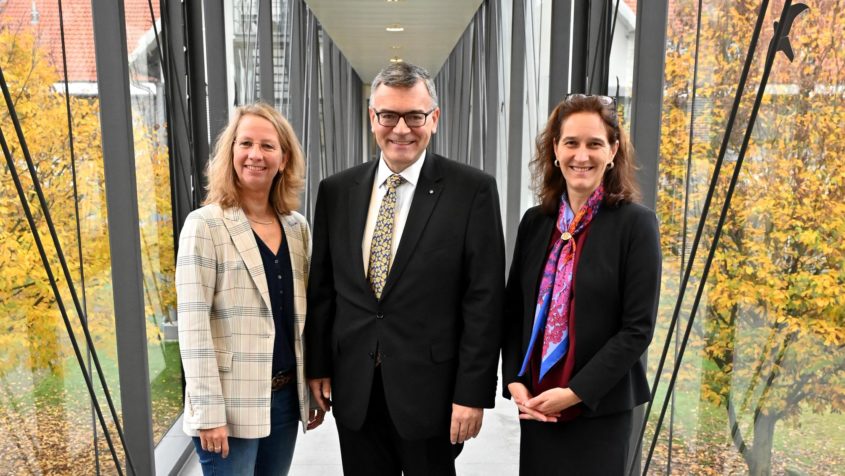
x=165 y=386
x=815 y=444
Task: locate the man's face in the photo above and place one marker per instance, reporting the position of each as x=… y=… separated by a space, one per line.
x=400 y=144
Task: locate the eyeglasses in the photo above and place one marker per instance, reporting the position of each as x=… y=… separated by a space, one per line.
x=412 y=119
x=246 y=144
x=609 y=101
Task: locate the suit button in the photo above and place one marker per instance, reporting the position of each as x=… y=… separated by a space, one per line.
x=379 y=316
x=372 y=355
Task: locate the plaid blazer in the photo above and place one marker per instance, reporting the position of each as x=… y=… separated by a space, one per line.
x=226 y=329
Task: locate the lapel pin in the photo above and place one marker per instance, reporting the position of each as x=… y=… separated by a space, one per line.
x=431 y=192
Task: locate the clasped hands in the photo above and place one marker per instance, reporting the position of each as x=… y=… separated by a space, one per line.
x=545 y=407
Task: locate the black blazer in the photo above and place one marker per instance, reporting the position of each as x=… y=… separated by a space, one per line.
x=438 y=323
x=617 y=286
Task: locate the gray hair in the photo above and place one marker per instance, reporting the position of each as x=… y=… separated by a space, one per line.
x=403 y=75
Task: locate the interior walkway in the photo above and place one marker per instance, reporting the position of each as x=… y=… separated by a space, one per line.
x=493 y=453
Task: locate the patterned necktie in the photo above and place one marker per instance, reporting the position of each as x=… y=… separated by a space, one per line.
x=382 y=244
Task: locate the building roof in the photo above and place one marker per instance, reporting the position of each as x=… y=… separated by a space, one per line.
x=42 y=18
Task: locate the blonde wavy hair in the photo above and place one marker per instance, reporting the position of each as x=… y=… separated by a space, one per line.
x=222 y=185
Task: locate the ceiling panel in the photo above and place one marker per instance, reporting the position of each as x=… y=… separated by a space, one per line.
x=432 y=28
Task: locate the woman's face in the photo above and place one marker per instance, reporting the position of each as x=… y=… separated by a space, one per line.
x=583 y=152
x=257 y=155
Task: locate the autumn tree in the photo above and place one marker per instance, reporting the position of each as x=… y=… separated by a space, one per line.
x=34 y=343
x=34 y=336
x=773 y=327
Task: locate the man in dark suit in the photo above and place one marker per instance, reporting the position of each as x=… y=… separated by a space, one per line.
x=405 y=293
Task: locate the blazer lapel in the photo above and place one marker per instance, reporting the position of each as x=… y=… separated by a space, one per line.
x=539 y=247
x=296 y=251
x=359 y=205
x=426 y=194
x=241 y=233
x=537 y=250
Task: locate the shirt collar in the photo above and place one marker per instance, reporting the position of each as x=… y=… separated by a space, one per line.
x=411 y=174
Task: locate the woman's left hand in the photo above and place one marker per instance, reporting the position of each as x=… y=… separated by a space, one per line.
x=553 y=401
x=315 y=418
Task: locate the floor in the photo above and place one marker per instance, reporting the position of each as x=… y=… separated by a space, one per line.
x=494 y=452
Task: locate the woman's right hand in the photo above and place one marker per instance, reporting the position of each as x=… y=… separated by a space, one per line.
x=520 y=395
x=215 y=440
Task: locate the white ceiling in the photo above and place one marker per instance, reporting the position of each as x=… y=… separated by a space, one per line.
x=432 y=28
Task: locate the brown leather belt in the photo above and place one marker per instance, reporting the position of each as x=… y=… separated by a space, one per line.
x=281 y=379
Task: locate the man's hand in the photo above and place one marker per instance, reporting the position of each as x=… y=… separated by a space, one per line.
x=315 y=418
x=520 y=395
x=466 y=423
x=553 y=401
x=321 y=388
x=215 y=440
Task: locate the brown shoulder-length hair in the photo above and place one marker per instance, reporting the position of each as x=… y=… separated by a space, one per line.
x=223 y=186
x=620 y=185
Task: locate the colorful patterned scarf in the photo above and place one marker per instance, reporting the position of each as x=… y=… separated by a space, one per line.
x=552 y=310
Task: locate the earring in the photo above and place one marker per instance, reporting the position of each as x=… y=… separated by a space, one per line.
x=610 y=165
x=556 y=163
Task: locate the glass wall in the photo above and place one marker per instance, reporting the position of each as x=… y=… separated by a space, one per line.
x=152 y=175
x=245 y=50
x=621 y=65
x=46 y=415
x=762 y=385
x=46 y=412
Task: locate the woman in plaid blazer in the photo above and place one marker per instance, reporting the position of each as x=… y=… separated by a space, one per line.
x=241 y=276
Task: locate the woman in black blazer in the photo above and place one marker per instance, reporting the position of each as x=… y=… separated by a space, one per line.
x=581 y=296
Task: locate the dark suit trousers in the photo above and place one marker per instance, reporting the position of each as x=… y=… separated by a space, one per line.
x=584 y=446
x=376 y=449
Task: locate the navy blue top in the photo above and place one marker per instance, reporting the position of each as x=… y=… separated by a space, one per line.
x=277 y=268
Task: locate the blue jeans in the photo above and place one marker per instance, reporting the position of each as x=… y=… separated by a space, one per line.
x=270 y=455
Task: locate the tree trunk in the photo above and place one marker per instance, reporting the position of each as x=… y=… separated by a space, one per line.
x=759 y=456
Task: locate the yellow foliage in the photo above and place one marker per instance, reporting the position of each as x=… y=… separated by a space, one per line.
x=33 y=333
x=773 y=298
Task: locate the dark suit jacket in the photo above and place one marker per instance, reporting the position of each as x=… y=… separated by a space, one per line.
x=617 y=285
x=438 y=323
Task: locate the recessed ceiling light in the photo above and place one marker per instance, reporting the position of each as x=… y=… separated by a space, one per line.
x=395 y=27
x=396 y=59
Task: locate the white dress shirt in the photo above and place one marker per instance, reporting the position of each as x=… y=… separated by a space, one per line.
x=404 y=196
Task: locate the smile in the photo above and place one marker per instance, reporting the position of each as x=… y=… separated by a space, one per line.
x=402 y=142
x=580 y=169
x=258 y=168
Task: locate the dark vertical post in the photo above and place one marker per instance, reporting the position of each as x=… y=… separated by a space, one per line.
x=196 y=95
x=217 y=99
x=517 y=96
x=559 y=68
x=580 y=46
x=265 y=51
x=491 y=50
x=178 y=122
x=647 y=101
x=124 y=232
x=598 y=46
